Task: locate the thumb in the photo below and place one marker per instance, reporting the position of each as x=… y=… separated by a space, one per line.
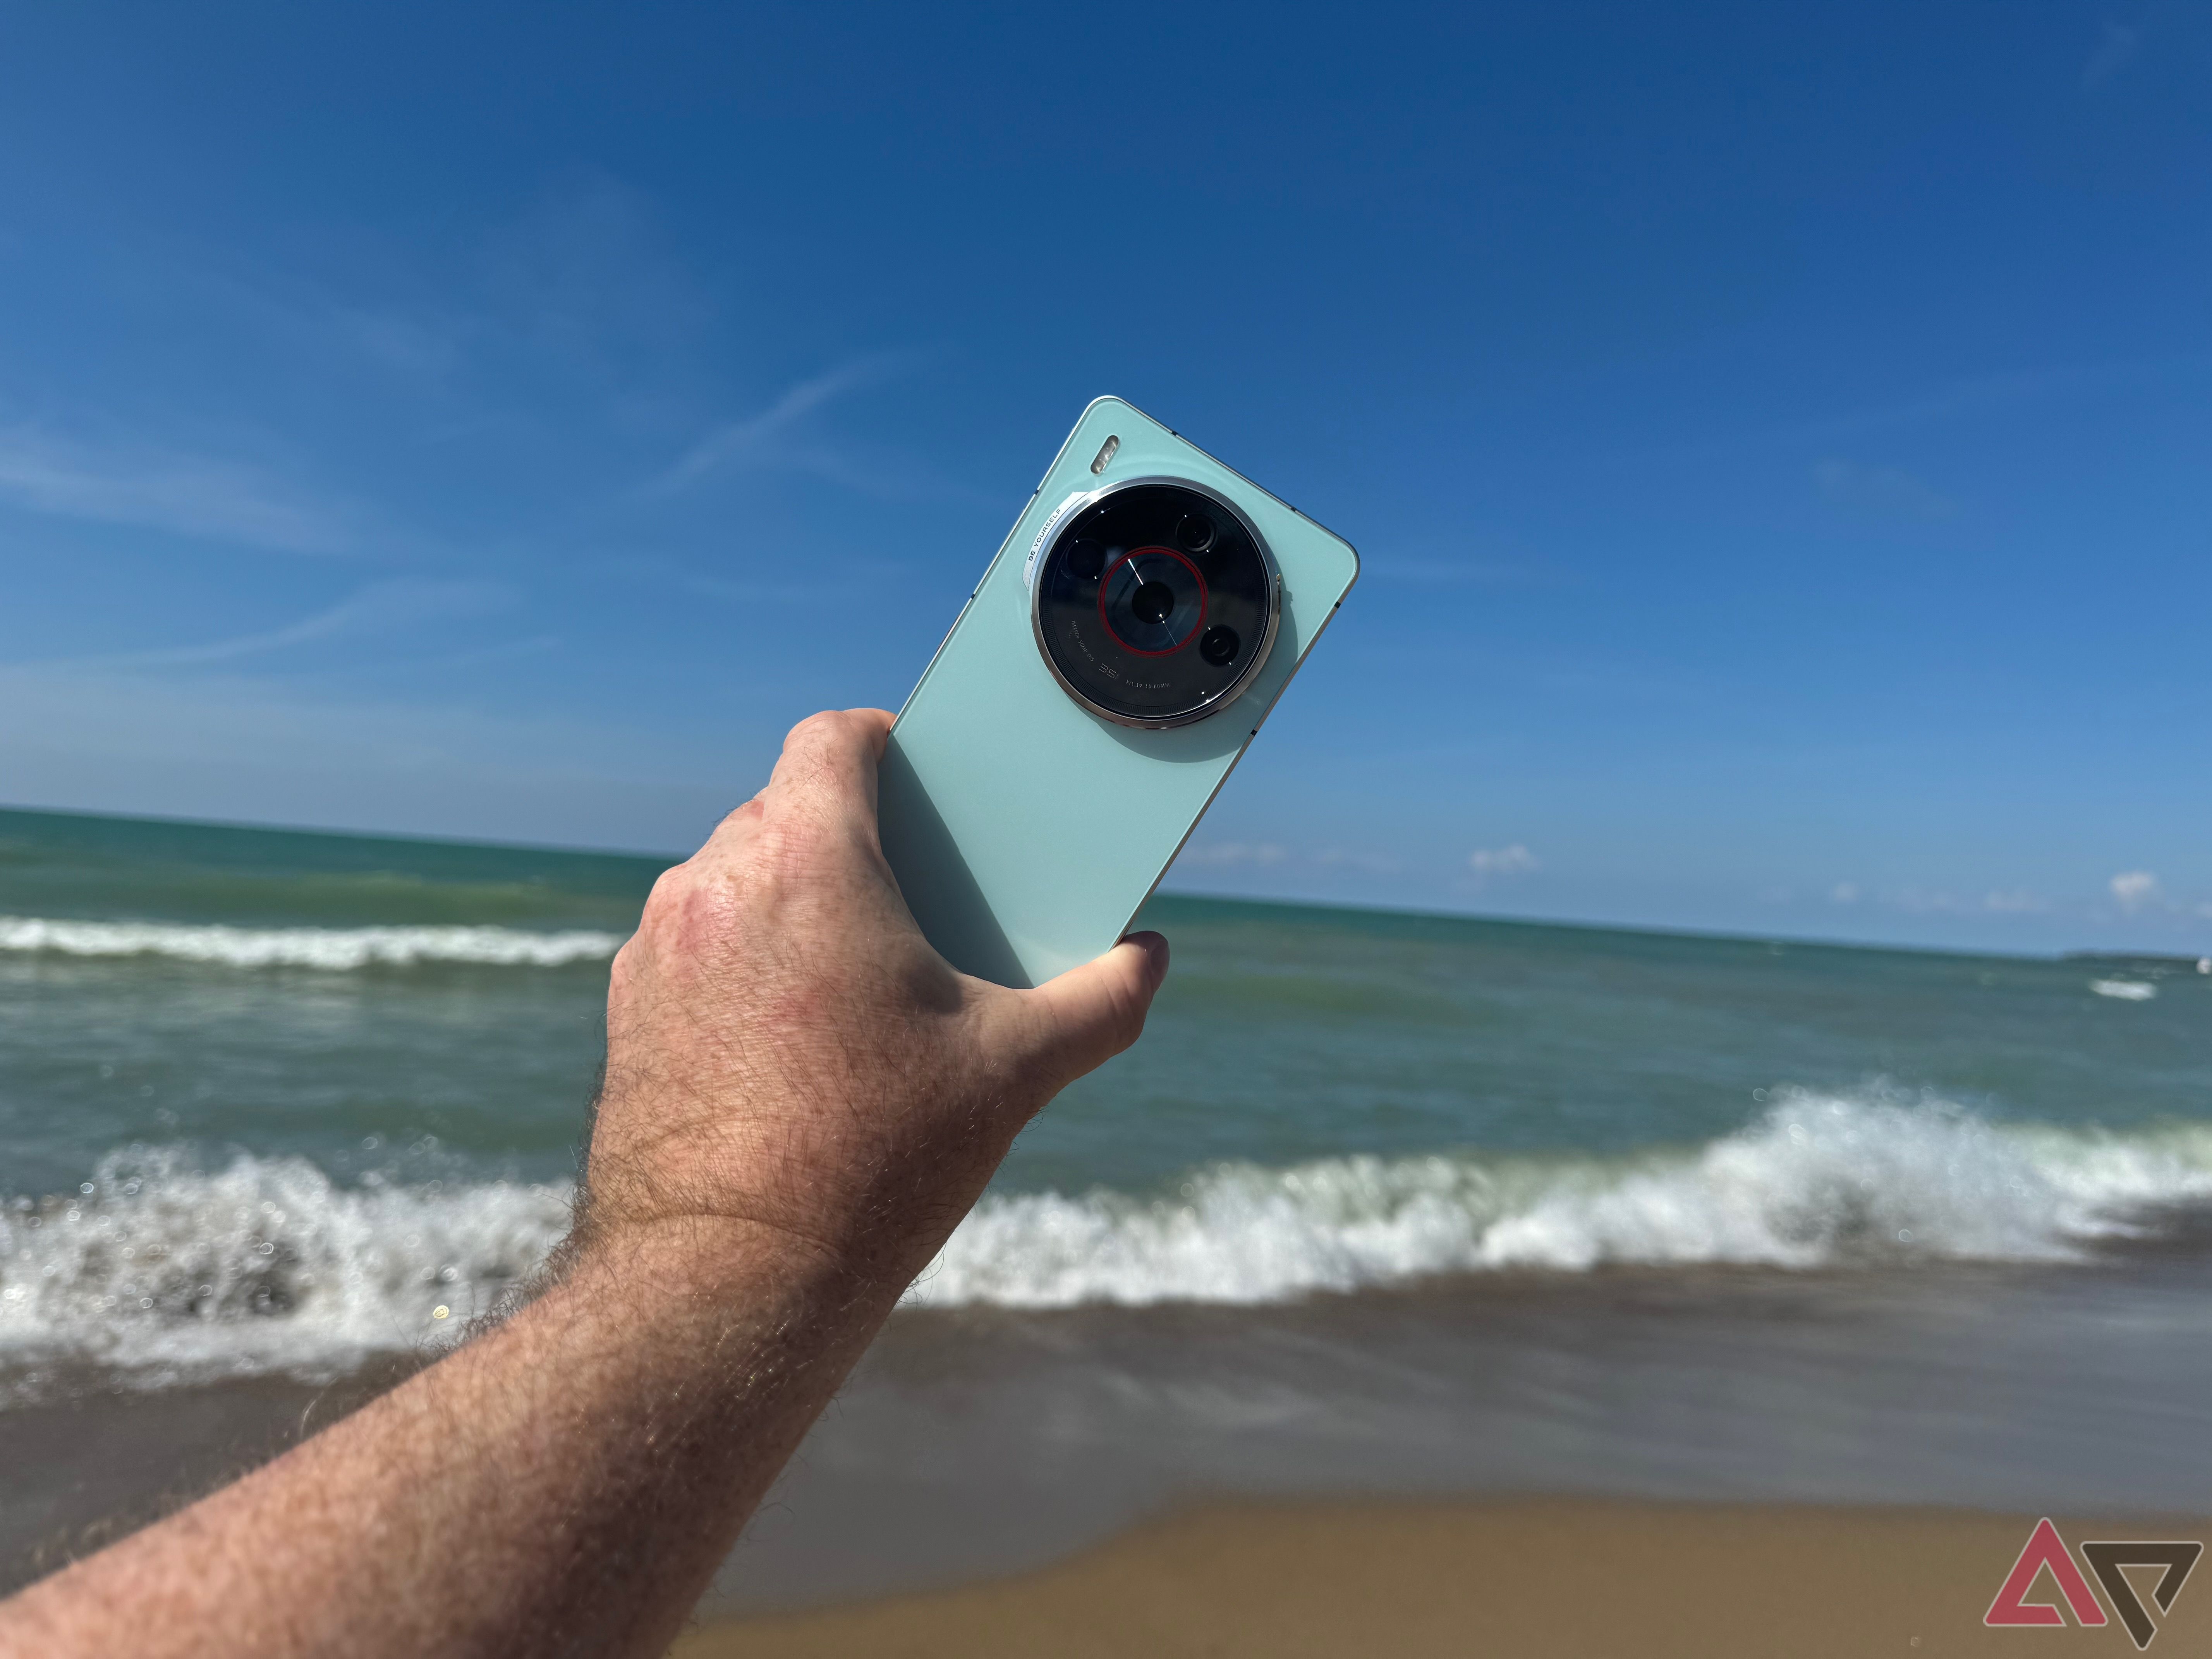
x=1090 y=1014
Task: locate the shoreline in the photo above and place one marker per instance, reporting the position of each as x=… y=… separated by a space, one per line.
x=973 y=1445
x=1531 y=1578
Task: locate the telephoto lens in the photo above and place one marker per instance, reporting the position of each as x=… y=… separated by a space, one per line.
x=1155 y=604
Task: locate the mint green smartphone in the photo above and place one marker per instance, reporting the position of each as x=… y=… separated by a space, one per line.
x=1105 y=676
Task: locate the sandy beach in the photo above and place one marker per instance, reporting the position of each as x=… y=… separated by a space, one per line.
x=1530 y=1578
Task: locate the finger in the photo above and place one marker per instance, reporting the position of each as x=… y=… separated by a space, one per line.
x=1090 y=1014
x=828 y=766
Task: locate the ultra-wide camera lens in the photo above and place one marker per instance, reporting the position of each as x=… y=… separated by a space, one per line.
x=1136 y=579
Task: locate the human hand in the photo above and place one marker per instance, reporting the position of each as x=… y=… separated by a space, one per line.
x=785 y=1050
x=802 y=1099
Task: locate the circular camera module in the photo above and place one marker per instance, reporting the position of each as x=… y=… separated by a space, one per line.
x=1155 y=604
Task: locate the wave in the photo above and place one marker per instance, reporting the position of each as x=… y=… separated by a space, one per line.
x=164 y=1273
x=1820 y=1181
x=332 y=949
x=158 y=1272
x=2127 y=990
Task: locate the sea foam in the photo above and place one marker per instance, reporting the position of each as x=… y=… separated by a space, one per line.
x=332 y=949
x=164 y=1272
x=1818 y=1181
x=161 y=1273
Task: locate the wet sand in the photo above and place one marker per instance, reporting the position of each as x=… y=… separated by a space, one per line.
x=1529 y=1578
x=973 y=1448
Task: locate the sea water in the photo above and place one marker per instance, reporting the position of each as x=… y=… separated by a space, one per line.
x=278 y=1102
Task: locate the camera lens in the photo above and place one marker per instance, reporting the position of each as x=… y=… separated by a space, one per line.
x=1152 y=601
x=1134 y=580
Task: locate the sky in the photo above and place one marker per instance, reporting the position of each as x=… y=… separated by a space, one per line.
x=1779 y=438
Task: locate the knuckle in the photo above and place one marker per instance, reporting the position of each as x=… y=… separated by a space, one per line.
x=817 y=729
x=739 y=816
x=667 y=895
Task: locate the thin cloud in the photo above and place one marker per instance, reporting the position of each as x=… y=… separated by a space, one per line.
x=1952 y=400
x=732 y=590
x=378 y=608
x=2134 y=890
x=756 y=441
x=1513 y=860
x=2114 y=53
x=182 y=494
x=1230 y=855
x=1886 y=489
x=1339 y=858
x=589 y=272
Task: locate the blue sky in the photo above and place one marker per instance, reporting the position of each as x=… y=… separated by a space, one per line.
x=1778 y=436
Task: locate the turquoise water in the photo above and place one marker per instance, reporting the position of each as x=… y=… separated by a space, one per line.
x=313 y=1083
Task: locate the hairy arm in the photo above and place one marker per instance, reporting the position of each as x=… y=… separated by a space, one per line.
x=802 y=1100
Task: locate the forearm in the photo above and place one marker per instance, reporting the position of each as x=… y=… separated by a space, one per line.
x=565 y=1483
x=802 y=1099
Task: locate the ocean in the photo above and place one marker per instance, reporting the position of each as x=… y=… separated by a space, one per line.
x=1381 y=1201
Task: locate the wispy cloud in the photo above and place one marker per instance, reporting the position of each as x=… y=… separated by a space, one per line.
x=1886 y=489
x=1513 y=860
x=380 y=607
x=744 y=590
x=1959 y=399
x=2114 y=52
x=765 y=439
x=229 y=745
x=157 y=490
x=1344 y=858
x=1232 y=854
x=2135 y=890
x=591 y=270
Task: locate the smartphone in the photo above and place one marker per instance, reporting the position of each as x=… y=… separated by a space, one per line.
x=1094 y=694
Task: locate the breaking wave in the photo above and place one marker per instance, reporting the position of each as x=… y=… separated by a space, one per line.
x=332 y=948
x=156 y=1271
x=1818 y=1181
x=162 y=1273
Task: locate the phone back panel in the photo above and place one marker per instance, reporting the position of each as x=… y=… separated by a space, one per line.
x=1024 y=830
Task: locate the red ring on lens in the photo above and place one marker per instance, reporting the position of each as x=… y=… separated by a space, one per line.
x=1197 y=628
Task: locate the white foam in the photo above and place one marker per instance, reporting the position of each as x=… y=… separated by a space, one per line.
x=2127 y=990
x=169 y=1274
x=166 y=1273
x=1818 y=1182
x=334 y=948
